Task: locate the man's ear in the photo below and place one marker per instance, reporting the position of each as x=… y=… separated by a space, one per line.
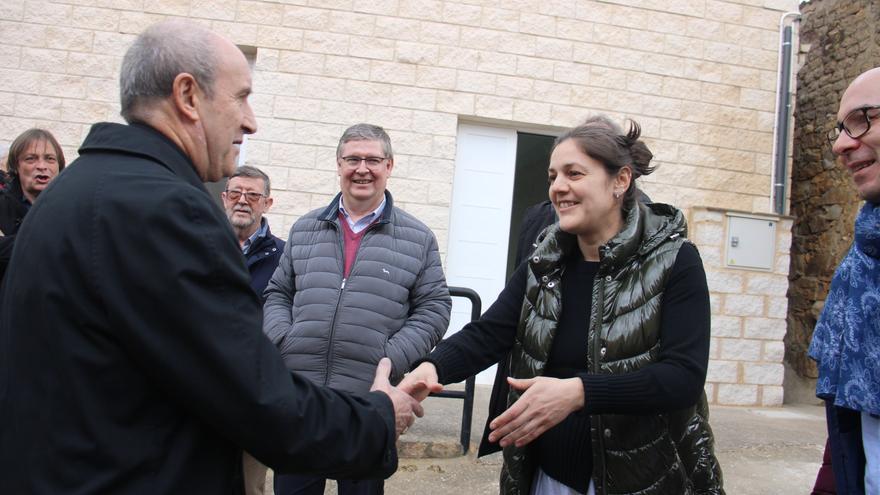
x=186 y=94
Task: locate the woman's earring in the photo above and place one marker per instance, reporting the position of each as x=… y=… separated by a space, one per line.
x=616 y=194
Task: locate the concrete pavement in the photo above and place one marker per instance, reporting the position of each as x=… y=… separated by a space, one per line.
x=761 y=450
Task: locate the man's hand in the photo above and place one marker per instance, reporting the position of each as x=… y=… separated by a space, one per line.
x=543 y=405
x=405 y=407
x=421 y=382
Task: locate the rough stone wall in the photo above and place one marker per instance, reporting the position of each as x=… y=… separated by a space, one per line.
x=839 y=40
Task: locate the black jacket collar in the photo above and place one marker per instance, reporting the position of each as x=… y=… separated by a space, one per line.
x=141 y=140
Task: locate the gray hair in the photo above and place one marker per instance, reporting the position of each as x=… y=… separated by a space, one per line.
x=253 y=173
x=158 y=55
x=366 y=132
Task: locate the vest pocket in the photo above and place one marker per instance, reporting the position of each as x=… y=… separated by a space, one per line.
x=640 y=456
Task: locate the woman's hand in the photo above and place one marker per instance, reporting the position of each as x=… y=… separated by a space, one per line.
x=544 y=403
x=421 y=382
x=406 y=408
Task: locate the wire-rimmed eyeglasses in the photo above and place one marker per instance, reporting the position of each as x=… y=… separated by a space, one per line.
x=355 y=161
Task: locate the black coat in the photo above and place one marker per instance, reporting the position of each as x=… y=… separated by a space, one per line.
x=132 y=359
x=261 y=259
x=535 y=219
x=12 y=207
x=12 y=212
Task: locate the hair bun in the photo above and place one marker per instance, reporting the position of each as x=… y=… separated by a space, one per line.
x=632 y=136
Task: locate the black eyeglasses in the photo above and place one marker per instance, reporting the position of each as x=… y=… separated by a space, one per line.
x=371 y=161
x=856 y=123
x=234 y=195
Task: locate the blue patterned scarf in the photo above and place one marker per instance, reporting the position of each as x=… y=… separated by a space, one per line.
x=846 y=342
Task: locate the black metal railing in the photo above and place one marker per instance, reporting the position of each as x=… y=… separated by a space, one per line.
x=467 y=394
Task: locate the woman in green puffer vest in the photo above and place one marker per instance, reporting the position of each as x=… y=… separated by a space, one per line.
x=606 y=333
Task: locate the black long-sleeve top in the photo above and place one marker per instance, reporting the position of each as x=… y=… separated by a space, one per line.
x=673 y=382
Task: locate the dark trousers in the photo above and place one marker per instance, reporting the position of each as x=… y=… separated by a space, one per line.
x=825 y=477
x=293 y=484
x=847 y=453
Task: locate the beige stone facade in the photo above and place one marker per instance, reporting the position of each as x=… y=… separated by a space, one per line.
x=698 y=75
x=749 y=307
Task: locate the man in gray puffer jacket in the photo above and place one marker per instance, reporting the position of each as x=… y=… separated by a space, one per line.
x=359 y=280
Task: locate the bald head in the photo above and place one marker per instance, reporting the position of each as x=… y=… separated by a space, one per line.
x=192 y=86
x=864 y=90
x=161 y=53
x=868 y=75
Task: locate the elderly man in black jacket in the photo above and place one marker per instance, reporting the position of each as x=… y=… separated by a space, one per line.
x=131 y=356
x=247 y=197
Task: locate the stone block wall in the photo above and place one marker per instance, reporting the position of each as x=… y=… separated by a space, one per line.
x=698 y=75
x=839 y=40
x=748 y=315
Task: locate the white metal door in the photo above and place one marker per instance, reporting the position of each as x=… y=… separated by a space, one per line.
x=479 y=223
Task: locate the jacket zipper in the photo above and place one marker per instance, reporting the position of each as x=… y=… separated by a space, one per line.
x=339 y=297
x=329 y=355
x=595 y=322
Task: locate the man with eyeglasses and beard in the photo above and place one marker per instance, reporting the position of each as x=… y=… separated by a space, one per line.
x=845 y=342
x=246 y=198
x=359 y=280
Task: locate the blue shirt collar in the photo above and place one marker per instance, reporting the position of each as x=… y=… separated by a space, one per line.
x=261 y=232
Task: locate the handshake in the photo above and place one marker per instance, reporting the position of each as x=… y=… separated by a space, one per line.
x=408 y=394
x=544 y=402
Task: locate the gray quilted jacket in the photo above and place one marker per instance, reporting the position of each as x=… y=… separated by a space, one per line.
x=394 y=303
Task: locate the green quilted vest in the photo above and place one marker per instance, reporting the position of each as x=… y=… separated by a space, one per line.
x=670 y=453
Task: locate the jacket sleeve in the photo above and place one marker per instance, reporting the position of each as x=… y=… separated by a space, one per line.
x=430 y=306
x=179 y=303
x=483 y=342
x=277 y=310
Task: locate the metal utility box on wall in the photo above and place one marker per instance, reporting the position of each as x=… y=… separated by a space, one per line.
x=751 y=242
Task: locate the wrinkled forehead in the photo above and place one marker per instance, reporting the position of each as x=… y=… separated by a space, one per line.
x=246 y=183
x=234 y=70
